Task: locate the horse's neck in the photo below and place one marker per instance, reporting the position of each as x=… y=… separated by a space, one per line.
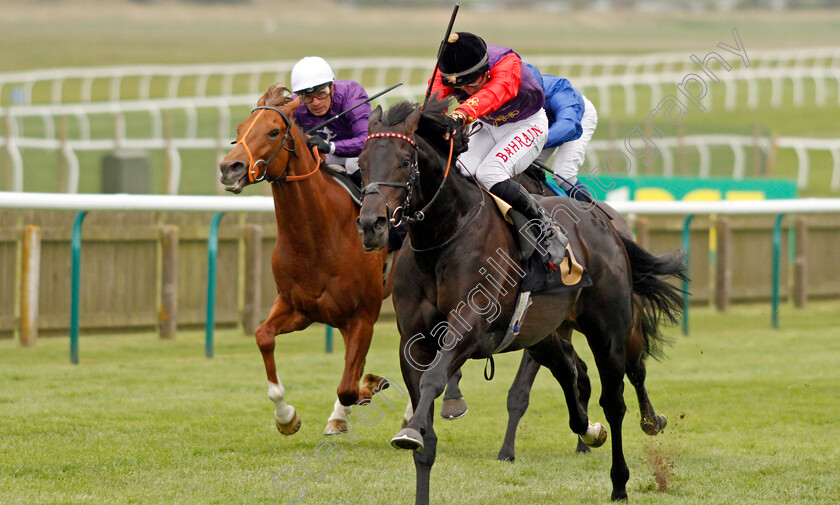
x=303 y=208
x=457 y=200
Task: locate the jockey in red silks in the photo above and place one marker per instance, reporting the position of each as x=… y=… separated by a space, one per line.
x=503 y=103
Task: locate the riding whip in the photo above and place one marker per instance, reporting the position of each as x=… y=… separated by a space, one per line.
x=586 y=196
x=330 y=120
x=440 y=51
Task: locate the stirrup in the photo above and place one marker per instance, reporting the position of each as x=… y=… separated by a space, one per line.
x=555 y=247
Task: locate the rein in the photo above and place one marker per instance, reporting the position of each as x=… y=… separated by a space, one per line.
x=252 y=165
x=373 y=187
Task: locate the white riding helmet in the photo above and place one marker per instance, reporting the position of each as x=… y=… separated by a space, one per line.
x=311 y=72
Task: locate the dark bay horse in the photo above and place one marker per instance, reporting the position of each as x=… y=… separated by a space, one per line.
x=457 y=278
x=641 y=344
x=321 y=272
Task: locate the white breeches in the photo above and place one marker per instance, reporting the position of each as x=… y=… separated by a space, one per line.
x=569 y=157
x=497 y=153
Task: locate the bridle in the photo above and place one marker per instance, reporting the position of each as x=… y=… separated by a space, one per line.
x=414 y=174
x=253 y=165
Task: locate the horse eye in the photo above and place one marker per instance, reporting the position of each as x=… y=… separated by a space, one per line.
x=274 y=133
x=406 y=163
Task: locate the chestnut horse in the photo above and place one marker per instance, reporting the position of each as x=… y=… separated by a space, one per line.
x=320 y=269
x=458 y=276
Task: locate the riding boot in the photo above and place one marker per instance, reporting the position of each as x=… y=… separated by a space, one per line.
x=553 y=241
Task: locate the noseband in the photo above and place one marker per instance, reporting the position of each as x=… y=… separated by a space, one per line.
x=413 y=176
x=252 y=165
x=373 y=187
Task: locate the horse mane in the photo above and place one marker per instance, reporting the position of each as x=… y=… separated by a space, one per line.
x=434 y=124
x=275 y=96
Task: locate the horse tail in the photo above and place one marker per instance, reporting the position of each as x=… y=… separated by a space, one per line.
x=655 y=297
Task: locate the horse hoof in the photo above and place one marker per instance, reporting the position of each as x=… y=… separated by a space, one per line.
x=335 y=426
x=453 y=409
x=408 y=439
x=374 y=382
x=656 y=426
x=595 y=435
x=289 y=428
x=504 y=456
x=581 y=447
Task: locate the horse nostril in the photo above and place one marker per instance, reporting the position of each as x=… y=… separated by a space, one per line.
x=236 y=165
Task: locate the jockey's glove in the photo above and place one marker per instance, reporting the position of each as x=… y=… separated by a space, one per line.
x=458 y=116
x=454 y=121
x=322 y=145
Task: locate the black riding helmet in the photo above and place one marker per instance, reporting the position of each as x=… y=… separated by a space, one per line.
x=463 y=59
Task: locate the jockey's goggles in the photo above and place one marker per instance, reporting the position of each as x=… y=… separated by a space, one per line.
x=321 y=92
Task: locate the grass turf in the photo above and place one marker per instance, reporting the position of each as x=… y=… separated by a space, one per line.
x=752 y=419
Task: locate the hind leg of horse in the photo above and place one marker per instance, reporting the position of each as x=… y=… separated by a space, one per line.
x=651 y=422
x=557 y=354
x=357 y=336
x=584 y=392
x=281 y=319
x=454 y=405
x=517 y=403
x=609 y=358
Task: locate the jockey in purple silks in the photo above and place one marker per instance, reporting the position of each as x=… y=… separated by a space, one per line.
x=323 y=97
x=503 y=103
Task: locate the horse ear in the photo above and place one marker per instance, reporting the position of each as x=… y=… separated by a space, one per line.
x=375 y=118
x=291 y=105
x=413 y=119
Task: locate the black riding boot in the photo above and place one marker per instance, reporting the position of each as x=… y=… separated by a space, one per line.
x=554 y=242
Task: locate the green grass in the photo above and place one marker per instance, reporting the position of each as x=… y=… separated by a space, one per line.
x=752 y=419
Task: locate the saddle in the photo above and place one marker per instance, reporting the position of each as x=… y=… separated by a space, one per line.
x=539 y=277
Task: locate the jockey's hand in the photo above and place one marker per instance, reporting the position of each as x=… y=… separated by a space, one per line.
x=323 y=146
x=455 y=120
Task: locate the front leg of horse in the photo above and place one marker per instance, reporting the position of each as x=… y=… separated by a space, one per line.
x=280 y=320
x=357 y=337
x=424 y=386
x=454 y=405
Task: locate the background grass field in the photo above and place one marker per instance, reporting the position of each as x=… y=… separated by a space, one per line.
x=753 y=412
x=114 y=32
x=752 y=419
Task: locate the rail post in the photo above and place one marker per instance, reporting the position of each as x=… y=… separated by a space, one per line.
x=686 y=244
x=76 y=246
x=212 y=252
x=777 y=246
x=168 y=315
x=253 y=279
x=30 y=280
x=800 y=269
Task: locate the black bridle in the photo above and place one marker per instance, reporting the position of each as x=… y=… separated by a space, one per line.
x=413 y=176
